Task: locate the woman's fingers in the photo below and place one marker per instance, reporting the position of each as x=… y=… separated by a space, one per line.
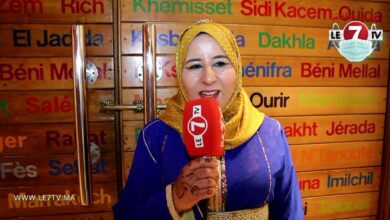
x=205 y=193
x=202 y=162
x=204 y=184
x=201 y=168
x=203 y=189
x=197 y=181
x=206 y=173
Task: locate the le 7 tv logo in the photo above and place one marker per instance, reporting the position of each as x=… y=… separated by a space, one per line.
x=356 y=30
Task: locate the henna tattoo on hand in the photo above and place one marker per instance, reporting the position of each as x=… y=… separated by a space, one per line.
x=181 y=187
x=189 y=176
x=194 y=188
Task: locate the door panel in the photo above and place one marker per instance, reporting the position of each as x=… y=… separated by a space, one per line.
x=38 y=166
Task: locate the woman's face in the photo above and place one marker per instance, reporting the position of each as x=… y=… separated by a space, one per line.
x=207 y=71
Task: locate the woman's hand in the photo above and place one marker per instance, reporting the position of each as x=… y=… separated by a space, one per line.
x=197 y=181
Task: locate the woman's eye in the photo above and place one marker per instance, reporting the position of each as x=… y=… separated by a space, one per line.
x=194 y=66
x=220 y=64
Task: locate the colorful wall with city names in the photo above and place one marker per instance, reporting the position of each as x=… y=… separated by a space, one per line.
x=332 y=110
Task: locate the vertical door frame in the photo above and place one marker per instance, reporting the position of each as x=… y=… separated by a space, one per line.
x=116 y=18
x=384 y=192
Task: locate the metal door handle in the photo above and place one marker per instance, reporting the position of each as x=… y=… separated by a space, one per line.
x=149 y=79
x=148 y=105
x=107 y=106
x=81 y=114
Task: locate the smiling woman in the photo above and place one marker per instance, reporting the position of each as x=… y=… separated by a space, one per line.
x=208 y=72
x=255 y=179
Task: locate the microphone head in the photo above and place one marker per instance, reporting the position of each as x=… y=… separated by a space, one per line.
x=203 y=128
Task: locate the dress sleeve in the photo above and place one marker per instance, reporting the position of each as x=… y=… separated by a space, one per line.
x=287 y=203
x=144 y=196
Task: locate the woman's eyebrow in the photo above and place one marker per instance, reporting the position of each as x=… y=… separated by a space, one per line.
x=192 y=60
x=220 y=56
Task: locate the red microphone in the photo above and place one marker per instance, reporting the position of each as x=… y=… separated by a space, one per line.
x=203 y=133
x=203 y=128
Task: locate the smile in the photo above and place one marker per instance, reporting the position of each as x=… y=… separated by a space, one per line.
x=209 y=94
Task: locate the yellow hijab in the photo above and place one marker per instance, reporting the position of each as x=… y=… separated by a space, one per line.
x=241 y=119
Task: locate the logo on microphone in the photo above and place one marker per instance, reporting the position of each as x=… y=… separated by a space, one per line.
x=197 y=125
x=355 y=42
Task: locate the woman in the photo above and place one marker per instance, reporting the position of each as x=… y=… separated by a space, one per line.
x=257 y=173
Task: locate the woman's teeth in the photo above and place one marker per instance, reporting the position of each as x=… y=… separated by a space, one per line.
x=208 y=94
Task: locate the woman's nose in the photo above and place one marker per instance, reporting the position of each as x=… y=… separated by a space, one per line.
x=209 y=76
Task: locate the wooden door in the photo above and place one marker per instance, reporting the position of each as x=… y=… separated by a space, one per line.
x=38 y=166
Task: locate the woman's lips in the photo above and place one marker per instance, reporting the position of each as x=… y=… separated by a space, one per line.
x=209 y=94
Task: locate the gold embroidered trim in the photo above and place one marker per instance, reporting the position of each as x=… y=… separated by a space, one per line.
x=268 y=166
x=146 y=143
x=245 y=214
x=164 y=142
x=215 y=202
x=171 y=206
